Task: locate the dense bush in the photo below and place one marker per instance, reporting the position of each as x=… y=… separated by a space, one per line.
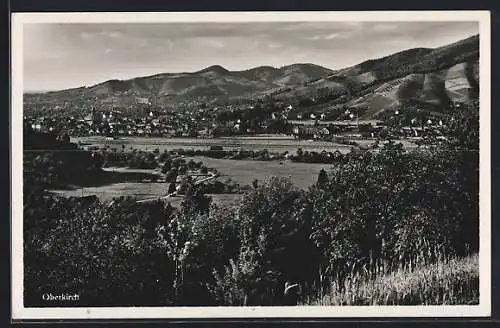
x=108 y=254
x=274 y=230
x=135 y=159
x=316 y=157
x=241 y=154
x=386 y=211
x=58 y=168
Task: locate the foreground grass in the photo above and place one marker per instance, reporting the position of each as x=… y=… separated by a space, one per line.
x=454 y=282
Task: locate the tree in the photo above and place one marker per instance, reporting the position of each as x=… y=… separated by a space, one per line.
x=462 y=129
x=191 y=164
x=171 y=188
x=322 y=179
x=182 y=169
x=64 y=138
x=274 y=230
x=195 y=201
x=204 y=170
x=470 y=73
x=255 y=183
x=300 y=153
x=108 y=250
x=166 y=166
x=437 y=86
x=171 y=176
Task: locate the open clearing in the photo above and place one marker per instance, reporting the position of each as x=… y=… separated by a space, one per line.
x=139 y=190
x=245 y=171
x=271 y=143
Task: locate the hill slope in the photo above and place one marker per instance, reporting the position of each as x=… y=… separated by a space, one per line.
x=213 y=81
x=429 y=77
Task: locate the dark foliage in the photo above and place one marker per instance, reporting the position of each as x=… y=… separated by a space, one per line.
x=389 y=205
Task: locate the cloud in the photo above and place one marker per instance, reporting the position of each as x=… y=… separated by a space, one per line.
x=86 y=36
x=170 y=44
x=384 y=27
x=314 y=38
x=209 y=42
x=114 y=35
x=274 y=45
x=331 y=36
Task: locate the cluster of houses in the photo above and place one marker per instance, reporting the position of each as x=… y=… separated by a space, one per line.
x=325 y=130
x=200 y=122
x=115 y=123
x=206 y=122
x=328 y=130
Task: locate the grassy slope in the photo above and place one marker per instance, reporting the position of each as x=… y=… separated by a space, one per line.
x=451 y=282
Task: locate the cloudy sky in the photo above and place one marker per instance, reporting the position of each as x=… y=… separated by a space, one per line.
x=59 y=56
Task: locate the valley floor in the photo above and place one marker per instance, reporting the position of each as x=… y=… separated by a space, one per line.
x=242 y=172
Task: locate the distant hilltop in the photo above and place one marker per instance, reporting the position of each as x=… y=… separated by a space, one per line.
x=212 y=81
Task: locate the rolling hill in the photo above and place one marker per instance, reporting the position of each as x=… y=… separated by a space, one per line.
x=214 y=81
x=430 y=76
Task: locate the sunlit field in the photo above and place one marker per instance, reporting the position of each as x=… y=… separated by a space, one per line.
x=245 y=172
x=273 y=145
x=451 y=281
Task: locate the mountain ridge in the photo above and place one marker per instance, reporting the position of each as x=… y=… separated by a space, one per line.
x=375 y=83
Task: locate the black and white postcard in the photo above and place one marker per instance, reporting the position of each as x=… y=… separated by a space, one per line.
x=250 y=165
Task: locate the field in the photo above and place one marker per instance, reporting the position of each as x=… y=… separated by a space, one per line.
x=242 y=171
x=275 y=143
x=245 y=172
x=120 y=185
x=138 y=190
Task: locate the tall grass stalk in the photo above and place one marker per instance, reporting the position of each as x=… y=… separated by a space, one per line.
x=445 y=282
